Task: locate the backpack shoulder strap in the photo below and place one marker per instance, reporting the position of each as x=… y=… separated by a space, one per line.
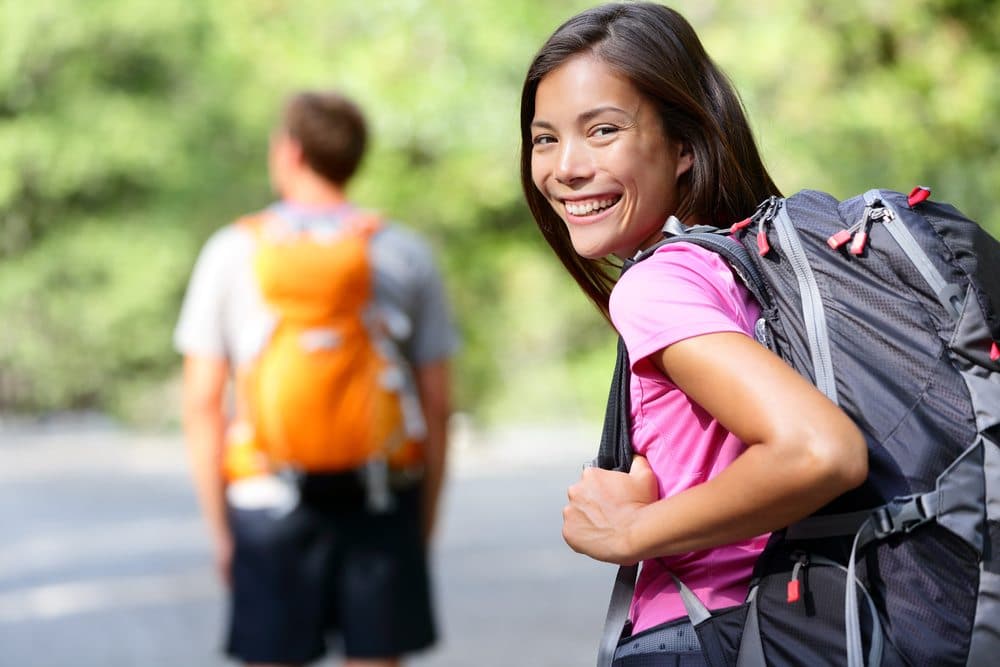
x=732 y=251
x=366 y=223
x=615 y=450
x=354 y=221
x=254 y=223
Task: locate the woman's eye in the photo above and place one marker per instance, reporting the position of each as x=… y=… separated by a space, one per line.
x=542 y=139
x=604 y=130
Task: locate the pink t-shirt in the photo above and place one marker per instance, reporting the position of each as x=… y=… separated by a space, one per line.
x=680 y=292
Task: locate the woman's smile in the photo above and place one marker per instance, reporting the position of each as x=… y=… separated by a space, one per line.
x=590 y=210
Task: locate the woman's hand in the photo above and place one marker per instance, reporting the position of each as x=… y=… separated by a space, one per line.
x=601 y=507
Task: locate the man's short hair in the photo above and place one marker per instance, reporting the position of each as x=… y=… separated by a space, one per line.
x=331 y=130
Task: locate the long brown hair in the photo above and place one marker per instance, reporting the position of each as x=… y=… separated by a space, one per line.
x=658 y=51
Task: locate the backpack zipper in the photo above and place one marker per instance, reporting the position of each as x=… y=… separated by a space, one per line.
x=837 y=240
x=794 y=592
x=813 y=313
x=948 y=294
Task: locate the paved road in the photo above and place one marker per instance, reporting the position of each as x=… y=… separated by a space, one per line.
x=104 y=562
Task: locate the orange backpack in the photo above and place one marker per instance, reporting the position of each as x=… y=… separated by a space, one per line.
x=324 y=394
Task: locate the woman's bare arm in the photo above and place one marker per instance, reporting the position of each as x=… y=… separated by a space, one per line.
x=802 y=452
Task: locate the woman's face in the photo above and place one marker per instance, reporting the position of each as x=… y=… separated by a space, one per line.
x=601 y=158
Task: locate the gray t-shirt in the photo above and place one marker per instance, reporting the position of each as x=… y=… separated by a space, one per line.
x=225 y=317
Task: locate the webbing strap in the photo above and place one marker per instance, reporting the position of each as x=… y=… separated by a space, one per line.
x=615 y=453
x=852 y=616
x=827 y=525
x=751 y=650
x=696 y=609
x=618 y=608
x=751 y=653
x=900 y=516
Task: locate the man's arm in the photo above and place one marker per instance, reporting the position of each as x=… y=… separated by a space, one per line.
x=434 y=385
x=204 y=428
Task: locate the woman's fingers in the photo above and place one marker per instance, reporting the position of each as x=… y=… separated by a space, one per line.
x=600 y=505
x=644 y=479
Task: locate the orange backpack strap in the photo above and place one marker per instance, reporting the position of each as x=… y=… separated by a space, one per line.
x=254 y=223
x=365 y=223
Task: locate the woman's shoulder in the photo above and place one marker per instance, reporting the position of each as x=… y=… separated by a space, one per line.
x=672 y=266
x=678 y=282
x=685 y=258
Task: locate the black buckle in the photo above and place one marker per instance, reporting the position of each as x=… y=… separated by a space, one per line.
x=902 y=515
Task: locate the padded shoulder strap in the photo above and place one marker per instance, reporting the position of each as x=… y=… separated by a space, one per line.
x=355 y=221
x=615 y=451
x=729 y=249
x=254 y=221
x=366 y=223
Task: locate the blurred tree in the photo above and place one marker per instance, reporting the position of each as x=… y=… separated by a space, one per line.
x=101 y=115
x=131 y=129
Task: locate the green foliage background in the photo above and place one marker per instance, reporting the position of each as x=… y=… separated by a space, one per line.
x=131 y=129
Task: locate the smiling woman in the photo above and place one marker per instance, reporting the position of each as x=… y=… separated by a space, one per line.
x=626 y=123
x=651 y=76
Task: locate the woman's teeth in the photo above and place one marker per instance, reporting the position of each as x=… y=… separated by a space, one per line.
x=589 y=208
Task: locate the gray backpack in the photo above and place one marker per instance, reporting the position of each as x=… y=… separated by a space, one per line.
x=890 y=304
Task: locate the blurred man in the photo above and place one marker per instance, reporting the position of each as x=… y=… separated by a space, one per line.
x=320 y=478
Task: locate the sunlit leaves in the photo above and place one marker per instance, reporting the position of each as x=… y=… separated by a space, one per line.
x=131 y=129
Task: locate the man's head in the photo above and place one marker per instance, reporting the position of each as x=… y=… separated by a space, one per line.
x=320 y=132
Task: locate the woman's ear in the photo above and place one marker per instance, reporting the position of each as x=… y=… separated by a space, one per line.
x=685 y=158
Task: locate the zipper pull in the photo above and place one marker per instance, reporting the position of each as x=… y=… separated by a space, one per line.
x=860 y=238
x=766 y=208
x=765 y=213
x=742 y=224
x=918 y=195
x=876 y=213
x=795 y=586
x=836 y=241
x=763 y=247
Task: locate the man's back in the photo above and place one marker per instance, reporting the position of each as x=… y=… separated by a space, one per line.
x=308 y=546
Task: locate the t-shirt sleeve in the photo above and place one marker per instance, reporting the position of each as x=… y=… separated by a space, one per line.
x=201 y=326
x=434 y=335
x=682 y=291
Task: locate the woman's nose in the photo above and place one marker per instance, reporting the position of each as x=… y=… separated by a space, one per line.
x=574 y=162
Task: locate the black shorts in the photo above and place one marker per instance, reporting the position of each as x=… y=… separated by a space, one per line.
x=329 y=568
